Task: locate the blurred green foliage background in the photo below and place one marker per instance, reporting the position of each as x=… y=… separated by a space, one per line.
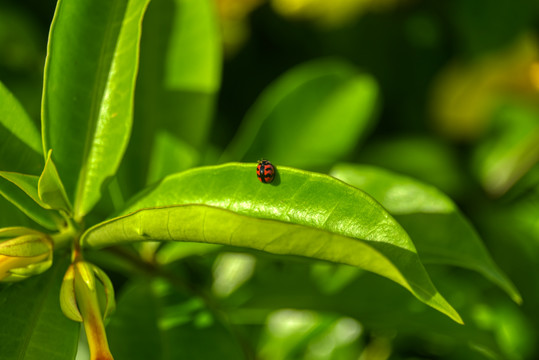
x=450 y=91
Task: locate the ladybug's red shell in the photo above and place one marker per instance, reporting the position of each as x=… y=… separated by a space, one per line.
x=265 y=171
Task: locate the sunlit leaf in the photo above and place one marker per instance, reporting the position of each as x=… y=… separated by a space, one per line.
x=300 y=213
x=439 y=231
x=88 y=92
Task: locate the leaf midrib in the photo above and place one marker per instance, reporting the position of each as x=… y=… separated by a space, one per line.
x=98 y=93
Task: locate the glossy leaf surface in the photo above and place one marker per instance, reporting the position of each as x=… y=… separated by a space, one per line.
x=88 y=92
x=32 y=326
x=21 y=144
x=300 y=213
x=439 y=231
x=291 y=120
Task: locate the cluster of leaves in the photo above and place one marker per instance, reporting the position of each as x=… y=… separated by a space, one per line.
x=209 y=262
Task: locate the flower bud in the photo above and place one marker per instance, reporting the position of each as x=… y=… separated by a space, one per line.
x=79 y=300
x=25 y=253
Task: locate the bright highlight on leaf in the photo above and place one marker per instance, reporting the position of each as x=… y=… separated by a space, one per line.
x=88 y=92
x=301 y=213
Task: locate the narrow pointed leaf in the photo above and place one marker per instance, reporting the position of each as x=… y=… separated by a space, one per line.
x=440 y=232
x=21 y=191
x=88 y=92
x=300 y=213
x=21 y=144
x=50 y=188
x=32 y=325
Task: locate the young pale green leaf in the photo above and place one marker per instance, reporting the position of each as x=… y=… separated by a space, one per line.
x=88 y=92
x=32 y=325
x=50 y=188
x=21 y=144
x=21 y=191
x=311 y=116
x=300 y=213
x=438 y=229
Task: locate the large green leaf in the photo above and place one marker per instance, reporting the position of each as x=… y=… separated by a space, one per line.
x=21 y=190
x=311 y=116
x=438 y=229
x=300 y=213
x=88 y=92
x=21 y=145
x=32 y=326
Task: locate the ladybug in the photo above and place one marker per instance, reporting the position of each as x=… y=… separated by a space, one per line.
x=265 y=171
